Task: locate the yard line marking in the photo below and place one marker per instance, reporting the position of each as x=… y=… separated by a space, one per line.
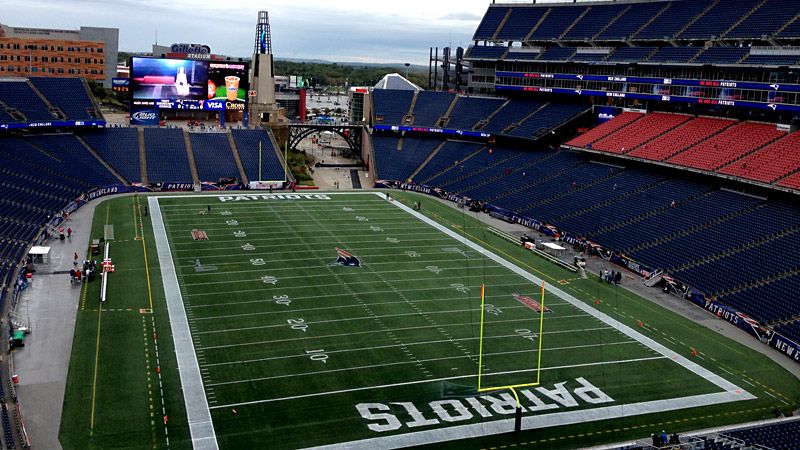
x=198 y=415
x=244 y=291
x=244 y=344
x=405 y=383
x=338 y=307
x=402 y=346
x=316 y=276
x=350 y=319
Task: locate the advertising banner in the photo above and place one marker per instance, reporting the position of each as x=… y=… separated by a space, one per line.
x=146 y=117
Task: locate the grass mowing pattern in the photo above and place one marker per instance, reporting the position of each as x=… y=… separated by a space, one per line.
x=395 y=320
x=409 y=314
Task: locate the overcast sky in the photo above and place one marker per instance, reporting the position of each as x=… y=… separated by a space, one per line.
x=354 y=30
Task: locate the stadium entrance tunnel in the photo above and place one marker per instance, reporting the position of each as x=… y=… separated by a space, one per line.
x=350 y=134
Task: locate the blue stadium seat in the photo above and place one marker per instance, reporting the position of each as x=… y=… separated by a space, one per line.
x=394 y=164
x=674 y=54
x=521 y=22
x=119 y=147
x=468 y=111
x=430 y=107
x=392 y=105
x=718 y=19
x=589 y=25
x=247 y=142
x=488 y=26
x=667 y=25
x=486 y=52
x=69 y=95
x=766 y=20
x=19 y=95
x=167 y=160
x=213 y=156
x=722 y=55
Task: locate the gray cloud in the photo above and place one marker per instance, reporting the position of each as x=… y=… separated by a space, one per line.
x=297 y=33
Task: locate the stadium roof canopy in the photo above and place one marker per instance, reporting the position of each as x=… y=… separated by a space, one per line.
x=397 y=81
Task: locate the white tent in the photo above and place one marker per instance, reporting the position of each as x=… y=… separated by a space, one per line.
x=397 y=81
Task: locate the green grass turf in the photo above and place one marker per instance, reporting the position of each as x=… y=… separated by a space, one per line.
x=396 y=320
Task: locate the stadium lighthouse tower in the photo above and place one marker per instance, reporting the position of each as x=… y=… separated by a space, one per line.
x=262 y=105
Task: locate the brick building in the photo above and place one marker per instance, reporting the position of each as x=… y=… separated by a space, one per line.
x=89 y=53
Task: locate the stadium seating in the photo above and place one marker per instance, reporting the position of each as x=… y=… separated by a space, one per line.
x=488 y=26
x=639 y=132
x=486 y=52
x=631 y=54
x=69 y=95
x=593 y=22
x=792 y=181
x=512 y=112
x=772 y=60
x=554 y=24
x=392 y=163
x=520 y=23
x=167 y=160
x=784 y=435
x=597 y=133
x=521 y=56
x=448 y=157
x=74 y=158
x=771 y=163
x=721 y=55
x=717 y=20
x=247 y=142
x=119 y=147
x=468 y=111
x=551 y=116
x=430 y=107
x=589 y=57
x=667 y=25
x=391 y=105
x=791 y=31
x=557 y=54
x=19 y=95
x=766 y=20
x=674 y=54
x=727 y=146
x=681 y=138
x=632 y=20
x=213 y=156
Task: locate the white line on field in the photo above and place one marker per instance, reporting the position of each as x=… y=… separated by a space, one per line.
x=407 y=383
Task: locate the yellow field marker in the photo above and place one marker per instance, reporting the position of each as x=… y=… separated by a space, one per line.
x=96 y=366
x=144 y=251
x=512 y=387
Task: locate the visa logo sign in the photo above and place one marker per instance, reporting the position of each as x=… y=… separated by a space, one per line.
x=215 y=105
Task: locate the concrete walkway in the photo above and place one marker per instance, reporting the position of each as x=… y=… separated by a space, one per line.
x=51 y=303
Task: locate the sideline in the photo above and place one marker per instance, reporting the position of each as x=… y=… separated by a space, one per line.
x=198 y=415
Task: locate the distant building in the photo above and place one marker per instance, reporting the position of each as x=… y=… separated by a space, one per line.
x=89 y=52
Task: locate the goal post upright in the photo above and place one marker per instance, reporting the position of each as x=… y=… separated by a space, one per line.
x=512 y=387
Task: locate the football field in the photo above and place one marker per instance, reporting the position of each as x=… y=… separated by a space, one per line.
x=345 y=319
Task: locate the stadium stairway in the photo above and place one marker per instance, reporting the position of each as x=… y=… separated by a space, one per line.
x=187 y=142
x=609 y=201
x=427 y=160
x=499 y=177
x=409 y=117
x=143 y=157
x=502 y=23
x=575 y=22
x=562 y=194
x=52 y=109
x=445 y=119
x=485 y=121
x=604 y=130
x=737 y=249
x=516 y=124
x=237 y=158
x=742 y=19
x=757 y=284
x=102 y=161
x=647 y=215
x=453 y=166
x=696 y=228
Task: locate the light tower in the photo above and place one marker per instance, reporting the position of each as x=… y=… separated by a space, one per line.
x=262 y=105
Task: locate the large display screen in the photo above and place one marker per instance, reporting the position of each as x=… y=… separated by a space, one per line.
x=228 y=82
x=189 y=84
